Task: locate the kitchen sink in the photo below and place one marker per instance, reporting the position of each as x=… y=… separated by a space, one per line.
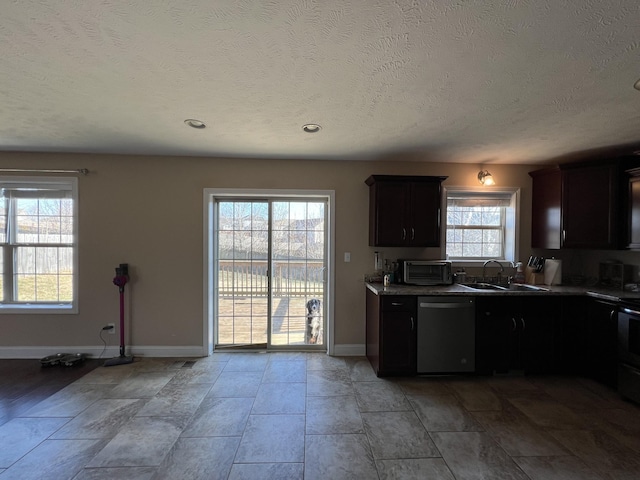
x=484 y=286
x=527 y=288
x=518 y=287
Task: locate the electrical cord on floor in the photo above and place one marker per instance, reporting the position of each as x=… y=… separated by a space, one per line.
x=108 y=327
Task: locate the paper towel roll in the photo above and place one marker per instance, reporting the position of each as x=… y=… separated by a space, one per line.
x=552 y=271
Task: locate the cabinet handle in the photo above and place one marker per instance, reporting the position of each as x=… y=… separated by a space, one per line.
x=413 y=233
x=515 y=326
x=564 y=235
x=524 y=325
x=613 y=312
x=404 y=233
x=397 y=304
x=412 y=324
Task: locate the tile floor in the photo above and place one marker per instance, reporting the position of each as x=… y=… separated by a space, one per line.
x=307 y=415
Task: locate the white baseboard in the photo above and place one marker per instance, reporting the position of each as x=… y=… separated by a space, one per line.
x=28 y=352
x=349 y=350
x=94 y=351
x=170 y=351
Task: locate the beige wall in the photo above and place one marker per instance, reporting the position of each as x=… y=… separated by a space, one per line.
x=147 y=211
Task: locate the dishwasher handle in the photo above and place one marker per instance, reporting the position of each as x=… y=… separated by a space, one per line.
x=446 y=305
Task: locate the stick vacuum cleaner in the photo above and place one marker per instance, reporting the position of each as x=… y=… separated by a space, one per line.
x=120 y=280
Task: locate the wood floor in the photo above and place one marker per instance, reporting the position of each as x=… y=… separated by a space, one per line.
x=24 y=383
x=243 y=320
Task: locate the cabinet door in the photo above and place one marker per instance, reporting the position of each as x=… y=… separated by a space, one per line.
x=404 y=210
x=522 y=336
x=510 y=327
x=537 y=323
x=571 y=333
x=634 y=212
x=602 y=338
x=545 y=209
x=499 y=335
x=373 y=329
x=485 y=336
x=424 y=215
x=387 y=218
x=589 y=208
x=398 y=336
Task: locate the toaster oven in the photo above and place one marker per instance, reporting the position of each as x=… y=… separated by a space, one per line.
x=426 y=272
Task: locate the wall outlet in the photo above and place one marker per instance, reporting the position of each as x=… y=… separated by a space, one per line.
x=112 y=330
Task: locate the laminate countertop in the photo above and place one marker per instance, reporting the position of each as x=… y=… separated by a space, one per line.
x=604 y=293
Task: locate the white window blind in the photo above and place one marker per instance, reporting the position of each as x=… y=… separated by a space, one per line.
x=480 y=225
x=38 y=264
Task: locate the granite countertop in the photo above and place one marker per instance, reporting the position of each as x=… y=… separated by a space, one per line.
x=603 y=293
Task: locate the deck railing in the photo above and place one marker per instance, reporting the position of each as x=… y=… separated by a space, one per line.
x=302 y=278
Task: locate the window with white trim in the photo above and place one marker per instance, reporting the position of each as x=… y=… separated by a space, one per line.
x=38 y=265
x=481 y=224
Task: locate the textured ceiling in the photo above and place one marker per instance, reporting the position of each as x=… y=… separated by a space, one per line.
x=502 y=81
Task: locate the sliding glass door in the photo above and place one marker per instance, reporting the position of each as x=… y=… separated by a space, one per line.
x=270 y=263
x=243 y=284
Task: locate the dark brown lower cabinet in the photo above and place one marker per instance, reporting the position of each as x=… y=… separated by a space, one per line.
x=517 y=334
x=601 y=359
x=573 y=332
x=391 y=334
x=589 y=336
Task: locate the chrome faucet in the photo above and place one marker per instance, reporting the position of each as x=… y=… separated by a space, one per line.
x=484 y=266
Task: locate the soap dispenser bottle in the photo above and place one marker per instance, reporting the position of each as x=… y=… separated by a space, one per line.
x=519 y=276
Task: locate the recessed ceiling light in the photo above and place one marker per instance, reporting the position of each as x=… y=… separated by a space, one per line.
x=192 y=122
x=311 y=128
x=637 y=84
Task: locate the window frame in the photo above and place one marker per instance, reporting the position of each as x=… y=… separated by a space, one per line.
x=511 y=240
x=27 y=307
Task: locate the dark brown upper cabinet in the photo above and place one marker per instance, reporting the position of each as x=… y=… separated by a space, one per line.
x=590 y=207
x=634 y=208
x=404 y=211
x=546 y=204
x=581 y=205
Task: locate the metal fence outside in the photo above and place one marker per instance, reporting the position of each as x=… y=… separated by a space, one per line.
x=291 y=278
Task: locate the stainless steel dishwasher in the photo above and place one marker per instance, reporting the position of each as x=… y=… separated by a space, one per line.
x=446 y=334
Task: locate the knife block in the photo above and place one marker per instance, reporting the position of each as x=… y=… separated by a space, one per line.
x=532 y=277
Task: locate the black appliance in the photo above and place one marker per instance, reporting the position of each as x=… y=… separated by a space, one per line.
x=629 y=349
x=446 y=334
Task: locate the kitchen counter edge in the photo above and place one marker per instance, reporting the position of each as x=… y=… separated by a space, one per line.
x=603 y=293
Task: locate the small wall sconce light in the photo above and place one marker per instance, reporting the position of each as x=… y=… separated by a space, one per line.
x=485 y=178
